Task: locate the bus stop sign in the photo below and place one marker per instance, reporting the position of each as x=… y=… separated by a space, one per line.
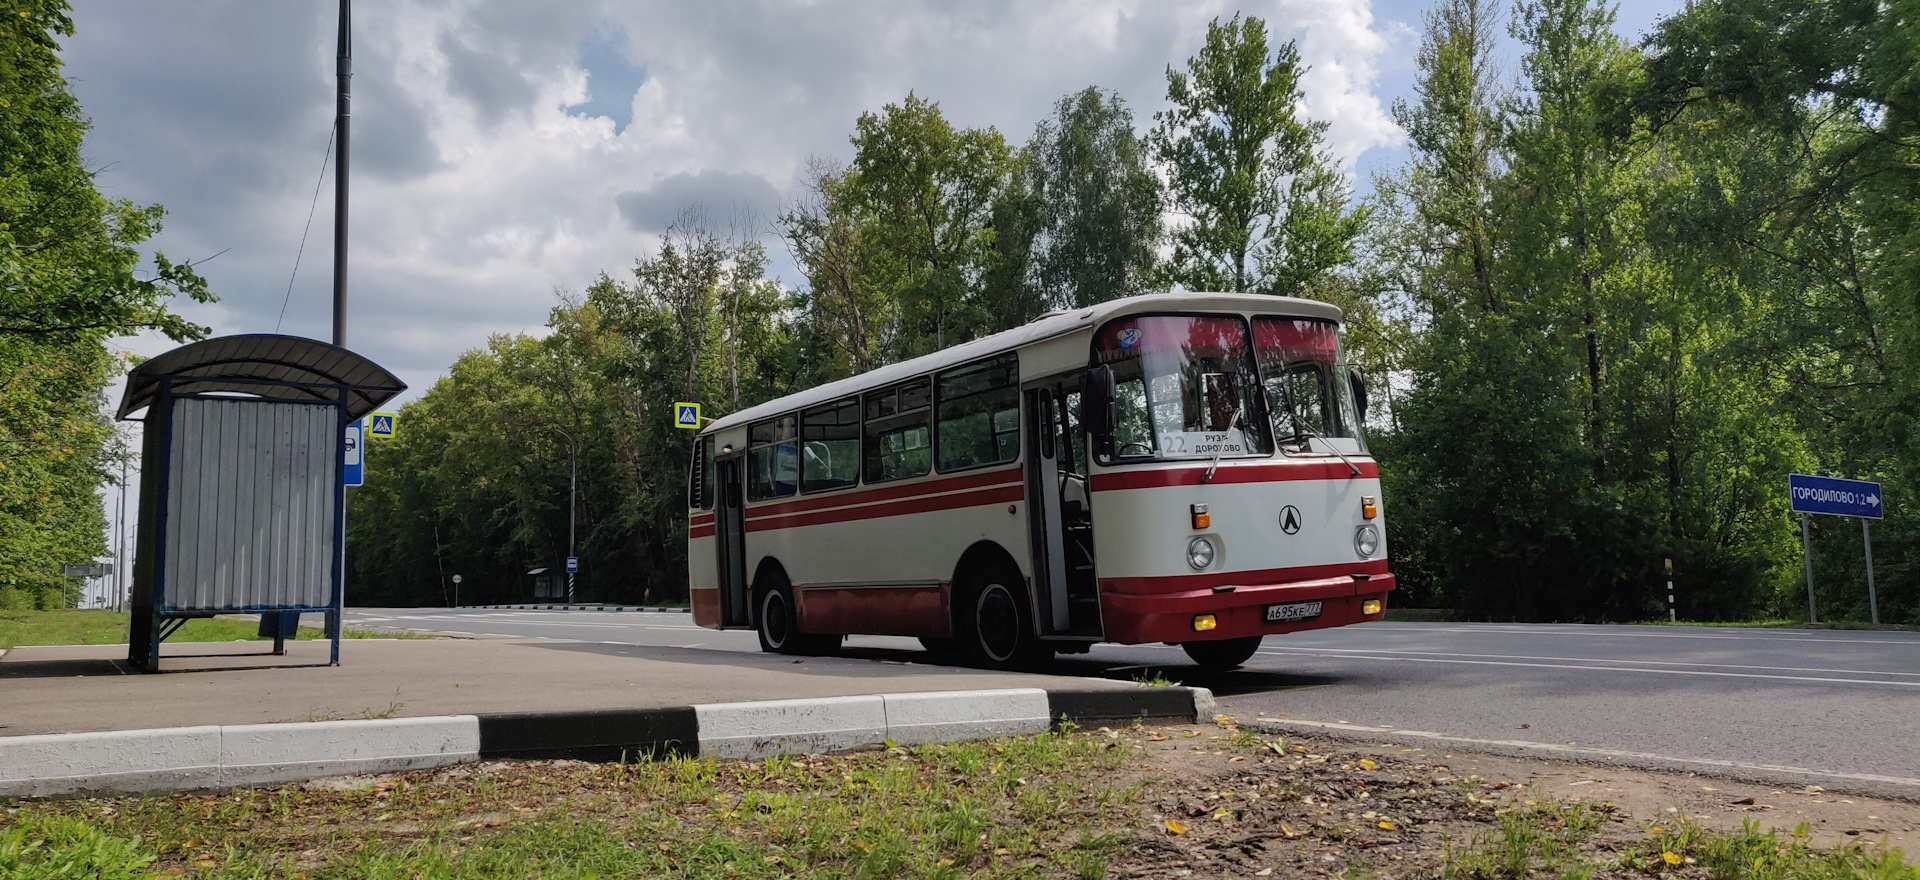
x=1834 y=497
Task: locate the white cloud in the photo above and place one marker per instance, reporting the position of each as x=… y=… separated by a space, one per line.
x=477 y=191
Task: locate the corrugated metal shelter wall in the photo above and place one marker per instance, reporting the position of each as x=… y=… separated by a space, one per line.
x=250 y=509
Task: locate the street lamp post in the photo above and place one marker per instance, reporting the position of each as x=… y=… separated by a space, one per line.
x=456 y=591
x=573 y=492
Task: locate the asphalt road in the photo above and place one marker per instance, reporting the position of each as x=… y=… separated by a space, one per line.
x=1836 y=703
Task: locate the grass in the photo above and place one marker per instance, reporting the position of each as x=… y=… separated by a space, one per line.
x=1068 y=804
x=1029 y=806
x=110 y=628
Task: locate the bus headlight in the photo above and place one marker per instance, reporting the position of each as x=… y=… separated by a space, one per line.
x=1366 y=541
x=1199 y=553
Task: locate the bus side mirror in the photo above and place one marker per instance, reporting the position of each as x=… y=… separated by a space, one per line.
x=1359 y=384
x=1097 y=393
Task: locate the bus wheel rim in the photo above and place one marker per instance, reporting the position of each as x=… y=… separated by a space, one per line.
x=998 y=621
x=773 y=616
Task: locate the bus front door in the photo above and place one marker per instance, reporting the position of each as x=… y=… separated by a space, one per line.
x=731 y=530
x=1060 y=530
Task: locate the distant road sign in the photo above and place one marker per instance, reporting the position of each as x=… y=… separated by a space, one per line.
x=686 y=415
x=573 y=565
x=1835 y=497
x=98 y=569
x=354 y=474
x=380 y=425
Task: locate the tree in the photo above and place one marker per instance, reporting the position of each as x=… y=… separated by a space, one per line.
x=925 y=191
x=1098 y=229
x=1268 y=212
x=69 y=280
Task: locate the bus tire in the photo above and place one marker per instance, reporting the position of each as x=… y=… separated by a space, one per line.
x=1220 y=655
x=778 y=623
x=996 y=622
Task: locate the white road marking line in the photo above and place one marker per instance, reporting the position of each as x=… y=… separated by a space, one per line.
x=1596 y=630
x=1318 y=653
x=1575 y=752
x=1607 y=660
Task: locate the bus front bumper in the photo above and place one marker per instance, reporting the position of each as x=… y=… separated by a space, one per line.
x=1240 y=611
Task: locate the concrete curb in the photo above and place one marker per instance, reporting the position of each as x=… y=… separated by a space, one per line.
x=1871 y=785
x=203 y=758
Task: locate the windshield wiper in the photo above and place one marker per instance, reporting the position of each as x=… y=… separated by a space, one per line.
x=1231 y=422
x=1300 y=430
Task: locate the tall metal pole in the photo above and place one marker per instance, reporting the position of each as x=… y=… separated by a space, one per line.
x=1866 y=539
x=343 y=117
x=1806 y=553
x=120 y=546
x=573 y=490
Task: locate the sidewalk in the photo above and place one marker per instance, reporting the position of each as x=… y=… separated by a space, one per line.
x=77 y=719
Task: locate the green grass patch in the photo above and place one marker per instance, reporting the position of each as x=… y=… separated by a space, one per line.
x=67 y=627
x=1030 y=806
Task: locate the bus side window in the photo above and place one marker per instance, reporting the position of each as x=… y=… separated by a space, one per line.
x=979 y=415
x=899 y=433
x=700 y=485
x=772 y=460
x=1077 y=448
x=830 y=446
x=1133 y=426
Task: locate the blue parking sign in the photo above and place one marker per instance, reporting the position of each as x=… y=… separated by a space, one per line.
x=686 y=415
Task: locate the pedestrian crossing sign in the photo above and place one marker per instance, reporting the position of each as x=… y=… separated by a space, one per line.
x=686 y=415
x=380 y=425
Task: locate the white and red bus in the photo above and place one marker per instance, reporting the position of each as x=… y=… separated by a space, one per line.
x=1181 y=468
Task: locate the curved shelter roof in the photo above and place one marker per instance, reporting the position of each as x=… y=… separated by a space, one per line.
x=268 y=364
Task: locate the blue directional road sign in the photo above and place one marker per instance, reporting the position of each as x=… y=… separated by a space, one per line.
x=380 y=425
x=354 y=473
x=686 y=415
x=1837 y=497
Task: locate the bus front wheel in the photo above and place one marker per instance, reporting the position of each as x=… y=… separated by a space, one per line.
x=1221 y=654
x=997 y=624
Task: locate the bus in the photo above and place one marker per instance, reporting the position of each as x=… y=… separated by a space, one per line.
x=1184 y=468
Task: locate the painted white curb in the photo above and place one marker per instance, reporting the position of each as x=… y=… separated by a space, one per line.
x=774 y=727
x=262 y=754
x=110 y=761
x=917 y=719
x=189 y=758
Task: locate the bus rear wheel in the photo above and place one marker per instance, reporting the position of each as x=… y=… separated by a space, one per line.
x=1221 y=654
x=996 y=624
x=779 y=624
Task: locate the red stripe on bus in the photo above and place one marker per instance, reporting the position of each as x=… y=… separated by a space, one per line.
x=705 y=531
x=1228 y=473
x=700 y=519
x=995 y=495
x=1263 y=577
x=885 y=493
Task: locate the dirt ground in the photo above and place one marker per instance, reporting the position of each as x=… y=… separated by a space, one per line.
x=1267 y=805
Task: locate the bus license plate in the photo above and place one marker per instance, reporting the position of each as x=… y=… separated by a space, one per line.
x=1293 y=611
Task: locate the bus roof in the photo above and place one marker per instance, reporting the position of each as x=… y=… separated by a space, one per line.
x=1047 y=326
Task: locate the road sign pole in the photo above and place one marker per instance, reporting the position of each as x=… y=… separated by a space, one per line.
x=1806 y=553
x=1866 y=540
x=1673 y=616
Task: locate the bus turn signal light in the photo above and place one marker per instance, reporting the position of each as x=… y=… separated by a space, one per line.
x=1204 y=622
x=1368 y=508
x=1370 y=607
x=1200 y=518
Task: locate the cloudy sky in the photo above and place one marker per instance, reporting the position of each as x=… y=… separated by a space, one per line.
x=506 y=149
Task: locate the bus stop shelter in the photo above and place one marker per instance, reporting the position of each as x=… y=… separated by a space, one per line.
x=242 y=500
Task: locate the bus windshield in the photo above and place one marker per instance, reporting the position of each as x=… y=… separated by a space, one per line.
x=1300 y=361
x=1186 y=388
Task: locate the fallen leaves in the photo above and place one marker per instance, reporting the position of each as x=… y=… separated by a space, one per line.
x=1175 y=826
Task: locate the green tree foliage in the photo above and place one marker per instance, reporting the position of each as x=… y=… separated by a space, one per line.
x=69 y=280
x=1269 y=212
x=1098 y=228
x=475 y=481
x=1646 y=291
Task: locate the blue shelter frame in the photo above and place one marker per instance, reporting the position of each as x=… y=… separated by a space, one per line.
x=242 y=372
